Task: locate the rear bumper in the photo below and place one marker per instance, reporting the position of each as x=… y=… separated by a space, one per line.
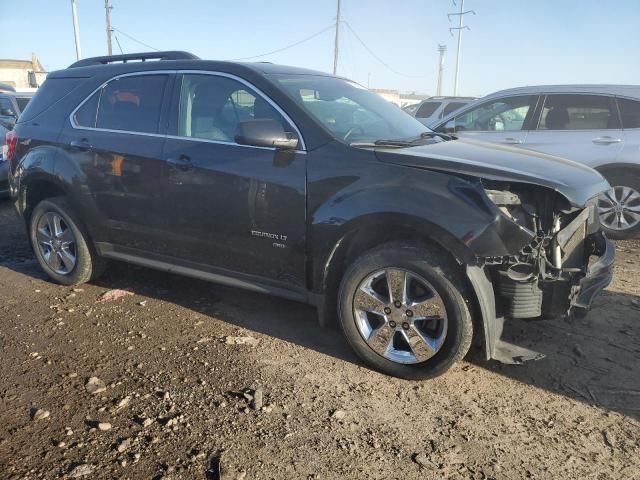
x=599 y=274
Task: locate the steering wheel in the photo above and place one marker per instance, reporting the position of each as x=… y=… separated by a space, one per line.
x=351 y=131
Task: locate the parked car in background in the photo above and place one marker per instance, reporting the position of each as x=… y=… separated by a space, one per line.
x=429 y=111
x=12 y=103
x=301 y=184
x=598 y=125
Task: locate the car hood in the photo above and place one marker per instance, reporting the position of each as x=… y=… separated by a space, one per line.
x=577 y=182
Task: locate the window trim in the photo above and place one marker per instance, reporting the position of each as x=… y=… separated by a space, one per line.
x=75 y=126
x=613 y=106
x=633 y=99
x=535 y=98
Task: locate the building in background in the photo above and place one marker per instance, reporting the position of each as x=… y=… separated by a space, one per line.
x=400 y=99
x=22 y=74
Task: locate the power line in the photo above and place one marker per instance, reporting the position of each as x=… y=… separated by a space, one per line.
x=372 y=53
x=330 y=27
x=135 y=39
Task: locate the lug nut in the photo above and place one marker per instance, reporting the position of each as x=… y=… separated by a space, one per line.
x=409 y=313
x=397 y=304
x=405 y=325
x=392 y=324
x=387 y=310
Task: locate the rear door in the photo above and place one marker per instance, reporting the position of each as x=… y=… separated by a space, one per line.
x=235 y=207
x=584 y=128
x=505 y=120
x=115 y=138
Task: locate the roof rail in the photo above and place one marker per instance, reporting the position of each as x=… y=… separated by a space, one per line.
x=142 y=57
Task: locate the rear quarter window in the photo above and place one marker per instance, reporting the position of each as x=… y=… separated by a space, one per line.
x=51 y=92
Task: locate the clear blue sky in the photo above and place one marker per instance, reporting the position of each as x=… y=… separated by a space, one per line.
x=511 y=42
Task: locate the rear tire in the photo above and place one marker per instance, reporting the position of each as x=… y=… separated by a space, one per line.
x=625 y=198
x=424 y=336
x=61 y=244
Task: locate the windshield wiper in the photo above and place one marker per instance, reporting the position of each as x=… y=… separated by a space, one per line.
x=443 y=136
x=384 y=143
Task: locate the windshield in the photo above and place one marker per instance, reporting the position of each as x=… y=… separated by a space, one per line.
x=351 y=113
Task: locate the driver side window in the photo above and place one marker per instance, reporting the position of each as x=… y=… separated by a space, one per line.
x=503 y=115
x=212 y=107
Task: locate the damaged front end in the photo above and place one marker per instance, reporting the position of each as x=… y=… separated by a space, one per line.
x=562 y=263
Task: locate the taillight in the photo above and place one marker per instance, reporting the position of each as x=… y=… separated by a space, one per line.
x=11 y=140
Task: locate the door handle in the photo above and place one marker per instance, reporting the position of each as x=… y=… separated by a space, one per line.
x=82 y=145
x=606 y=140
x=512 y=141
x=183 y=162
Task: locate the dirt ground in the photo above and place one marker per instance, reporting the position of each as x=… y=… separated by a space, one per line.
x=184 y=398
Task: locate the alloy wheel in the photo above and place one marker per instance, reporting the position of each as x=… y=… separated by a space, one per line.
x=400 y=315
x=619 y=208
x=56 y=243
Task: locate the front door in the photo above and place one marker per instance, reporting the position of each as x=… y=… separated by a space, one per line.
x=233 y=207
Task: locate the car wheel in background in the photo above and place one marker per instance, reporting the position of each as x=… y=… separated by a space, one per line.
x=402 y=311
x=61 y=245
x=619 y=208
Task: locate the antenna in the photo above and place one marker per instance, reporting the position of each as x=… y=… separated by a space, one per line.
x=461 y=26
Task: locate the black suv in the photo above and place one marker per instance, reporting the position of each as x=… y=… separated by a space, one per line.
x=304 y=185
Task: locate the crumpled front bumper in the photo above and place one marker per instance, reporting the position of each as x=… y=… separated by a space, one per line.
x=599 y=274
x=596 y=277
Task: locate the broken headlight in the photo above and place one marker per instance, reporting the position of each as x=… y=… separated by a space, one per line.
x=515 y=206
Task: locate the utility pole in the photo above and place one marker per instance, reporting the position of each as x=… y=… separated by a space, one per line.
x=337 y=42
x=76 y=29
x=461 y=26
x=107 y=13
x=441 y=50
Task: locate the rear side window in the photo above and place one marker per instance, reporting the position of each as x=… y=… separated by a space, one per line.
x=85 y=116
x=578 y=112
x=427 y=109
x=630 y=112
x=132 y=104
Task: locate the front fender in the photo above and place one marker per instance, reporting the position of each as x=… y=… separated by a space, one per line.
x=443 y=208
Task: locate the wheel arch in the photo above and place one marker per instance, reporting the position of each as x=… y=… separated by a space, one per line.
x=370 y=231
x=617 y=167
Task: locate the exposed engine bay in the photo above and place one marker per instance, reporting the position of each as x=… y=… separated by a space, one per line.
x=543 y=279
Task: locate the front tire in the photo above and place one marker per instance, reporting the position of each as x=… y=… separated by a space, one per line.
x=403 y=312
x=61 y=245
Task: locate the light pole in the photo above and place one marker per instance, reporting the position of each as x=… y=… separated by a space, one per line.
x=336 y=45
x=76 y=29
x=107 y=13
x=461 y=26
x=441 y=50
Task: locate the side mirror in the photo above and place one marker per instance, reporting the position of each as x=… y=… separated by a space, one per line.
x=265 y=132
x=7 y=112
x=450 y=126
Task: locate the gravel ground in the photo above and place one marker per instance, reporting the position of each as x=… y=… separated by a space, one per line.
x=185 y=379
